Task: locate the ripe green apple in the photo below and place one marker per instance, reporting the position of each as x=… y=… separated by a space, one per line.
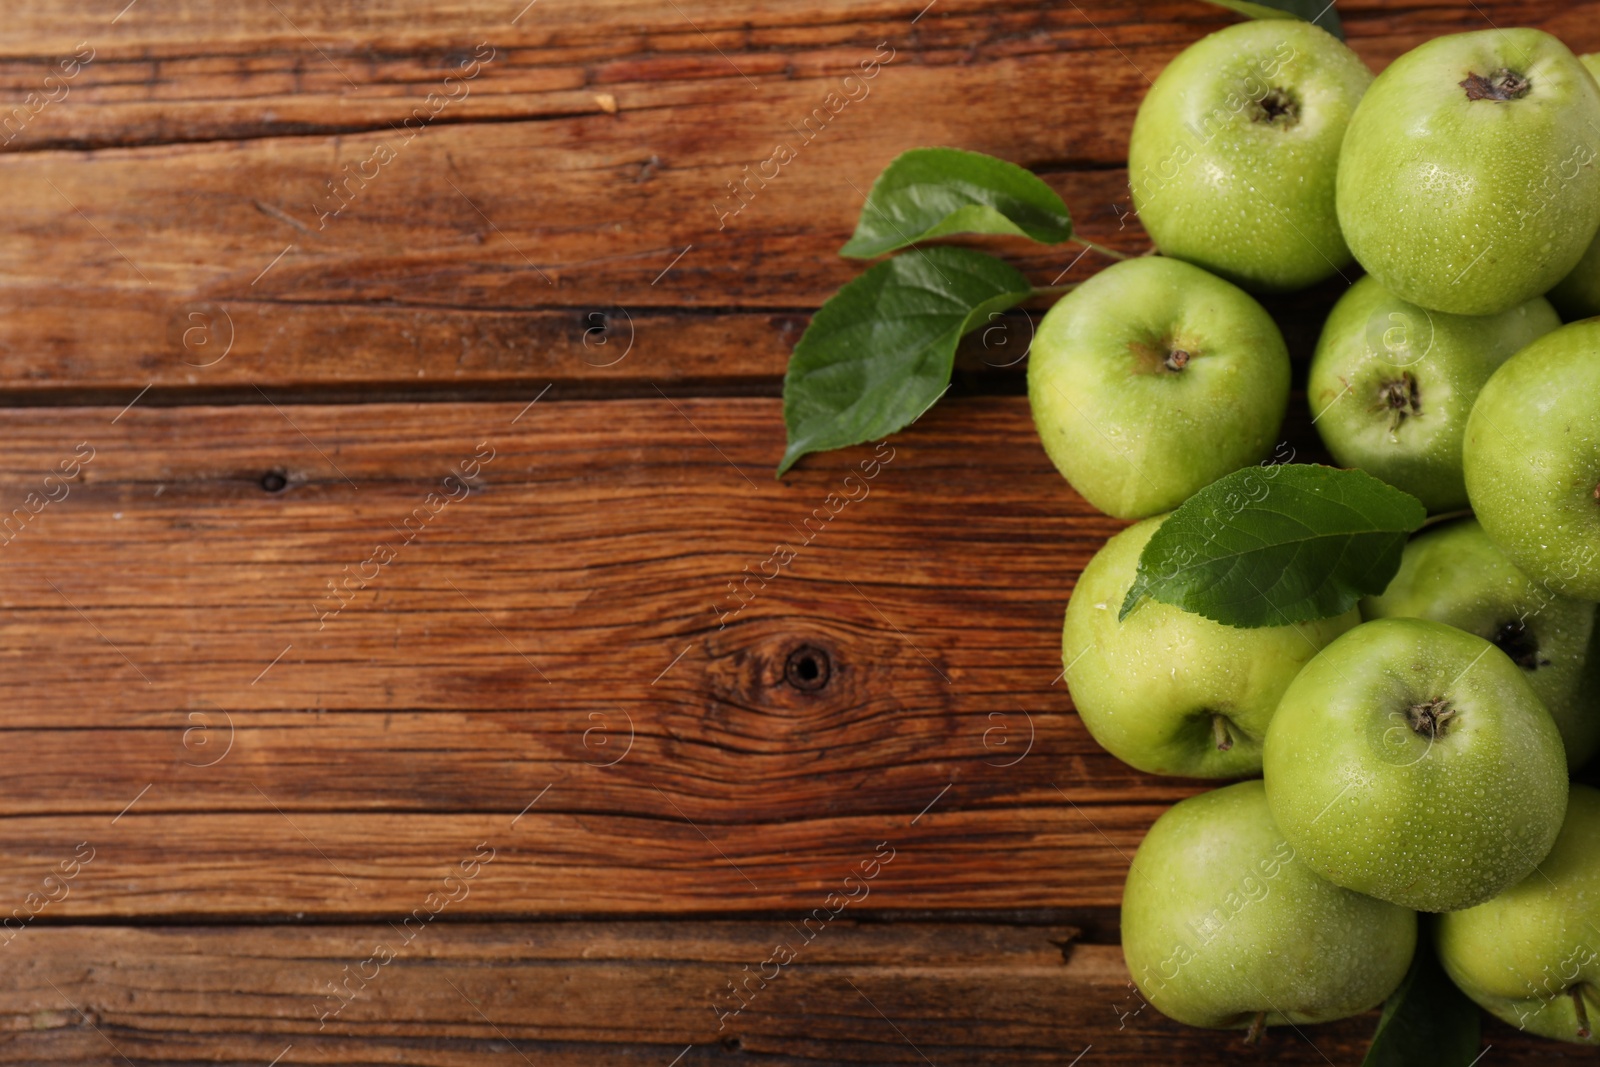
x=1467 y=180
x=1532 y=459
x=1169 y=691
x=1235 y=149
x=1153 y=379
x=1532 y=954
x=1578 y=295
x=1455 y=575
x=1391 y=385
x=1411 y=761
x=1224 y=926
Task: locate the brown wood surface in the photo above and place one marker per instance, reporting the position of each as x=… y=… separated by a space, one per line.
x=620 y=992
x=510 y=646
x=550 y=669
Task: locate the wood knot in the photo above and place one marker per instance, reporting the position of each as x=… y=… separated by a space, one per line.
x=808 y=668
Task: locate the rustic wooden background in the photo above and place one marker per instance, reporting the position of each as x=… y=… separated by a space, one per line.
x=222 y=798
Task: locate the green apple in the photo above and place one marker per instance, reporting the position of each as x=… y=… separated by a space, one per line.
x=1169 y=691
x=1153 y=379
x=1391 y=385
x=1532 y=459
x=1224 y=926
x=1235 y=149
x=1532 y=954
x=1411 y=761
x=1578 y=295
x=1467 y=180
x=1455 y=575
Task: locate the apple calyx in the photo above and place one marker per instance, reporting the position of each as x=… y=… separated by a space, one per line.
x=1178 y=359
x=1517 y=641
x=1430 y=719
x=1580 y=1009
x=1503 y=84
x=1401 y=398
x=1277 y=107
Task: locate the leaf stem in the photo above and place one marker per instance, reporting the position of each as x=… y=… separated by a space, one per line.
x=1102 y=249
x=1054 y=290
x=1447 y=516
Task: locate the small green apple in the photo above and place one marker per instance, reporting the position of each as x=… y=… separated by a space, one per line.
x=1391 y=385
x=1235 y=149
x=1411 y=761
x=1578 y=295
x=1455 y=575
x=1224 y=926
x=1169 y=691
x=1467 y=180
x=1531 y=956
x=1532 y=459
x=1153 y=379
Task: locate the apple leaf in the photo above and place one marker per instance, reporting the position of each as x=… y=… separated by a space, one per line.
x=1426 y=1021
x=1317 y=12
x=935 y=192
x=880 y=351
x=1271 y=545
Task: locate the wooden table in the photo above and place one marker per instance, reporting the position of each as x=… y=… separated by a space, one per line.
x=391 y=406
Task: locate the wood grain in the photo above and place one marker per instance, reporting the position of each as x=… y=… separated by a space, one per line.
x=580 y=586
x=167 y=204
x=613 y=993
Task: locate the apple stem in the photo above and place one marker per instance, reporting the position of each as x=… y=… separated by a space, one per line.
x=1102 y=249
x=1257 y=1025
x=1219 y=730
x=1576 y=992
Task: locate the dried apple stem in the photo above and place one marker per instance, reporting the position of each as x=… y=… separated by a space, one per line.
x=1578 y=1006
x=1219 y=730
x=1257 y=1025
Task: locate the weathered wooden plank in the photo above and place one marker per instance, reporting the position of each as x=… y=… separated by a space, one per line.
x=464 y=760
x=350 y=865
x=574 y=597
x=477 y=256
x=614 y=993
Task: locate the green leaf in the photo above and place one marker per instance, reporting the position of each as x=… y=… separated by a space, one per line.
x=1271 y=545
x=1318 y=12
x=880 y=351
x=934 y=192
x=1427 y=1022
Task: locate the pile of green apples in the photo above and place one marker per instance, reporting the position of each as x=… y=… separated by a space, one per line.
x=1414 y=754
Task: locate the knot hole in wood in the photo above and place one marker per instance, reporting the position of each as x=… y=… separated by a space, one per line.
x=808 y=668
